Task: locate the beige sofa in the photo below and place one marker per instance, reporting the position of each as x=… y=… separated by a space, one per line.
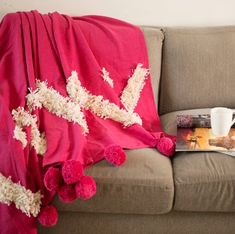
x=190 y=194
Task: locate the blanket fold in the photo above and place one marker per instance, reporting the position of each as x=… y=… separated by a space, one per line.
x=74 y=91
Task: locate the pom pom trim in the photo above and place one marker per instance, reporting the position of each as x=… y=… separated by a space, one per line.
x=166 y=146
x=53 y=179
x=48 y=216
x=86 y=188
x=67 y=193
x=115 y=155
x=72 y=171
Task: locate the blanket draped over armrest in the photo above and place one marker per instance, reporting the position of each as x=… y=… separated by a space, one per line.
x=73 y=91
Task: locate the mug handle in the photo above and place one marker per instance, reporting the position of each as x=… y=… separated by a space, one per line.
x=233 y=121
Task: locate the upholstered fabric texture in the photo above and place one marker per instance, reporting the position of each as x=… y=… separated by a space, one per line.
x=172 y=223
x=143 y=185
x=198 y=68
x=204 y=181
x=154 y=39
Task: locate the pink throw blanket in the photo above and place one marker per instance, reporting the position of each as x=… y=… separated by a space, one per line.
x=74 y=91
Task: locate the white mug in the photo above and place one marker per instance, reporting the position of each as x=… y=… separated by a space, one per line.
x=221 y=121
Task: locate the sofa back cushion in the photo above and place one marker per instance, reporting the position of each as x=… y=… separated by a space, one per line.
x=198 y=68
x=154 y=39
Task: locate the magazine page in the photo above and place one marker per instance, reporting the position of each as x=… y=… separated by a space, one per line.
x=230 y=153
x=194 y=134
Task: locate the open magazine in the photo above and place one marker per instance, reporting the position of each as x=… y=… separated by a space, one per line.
x=194 y=134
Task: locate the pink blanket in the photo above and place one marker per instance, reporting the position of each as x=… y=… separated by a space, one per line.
x=74 y=91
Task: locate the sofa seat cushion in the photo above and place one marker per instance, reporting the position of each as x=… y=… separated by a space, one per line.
x=143 y=185
x=204 y=181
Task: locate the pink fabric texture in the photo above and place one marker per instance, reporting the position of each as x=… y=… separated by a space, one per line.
x=48 y=47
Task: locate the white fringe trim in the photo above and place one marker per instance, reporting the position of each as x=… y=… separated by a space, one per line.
x=56 y=104
x=106 y=77
x=97 y=104
x=24 y=200
x=20 y=135
x=70 y=109
x=131 y=93
x=22 y=118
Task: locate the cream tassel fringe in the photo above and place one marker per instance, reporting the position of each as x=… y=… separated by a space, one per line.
x=131 y=93
x=56 y=104
x=22 y=118
x=97 y=104
x=24 y=200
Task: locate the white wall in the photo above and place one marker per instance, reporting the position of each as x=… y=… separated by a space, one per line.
x=145 y=12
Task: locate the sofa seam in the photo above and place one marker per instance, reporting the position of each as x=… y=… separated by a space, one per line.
x=146 y=186
x=204 y=182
